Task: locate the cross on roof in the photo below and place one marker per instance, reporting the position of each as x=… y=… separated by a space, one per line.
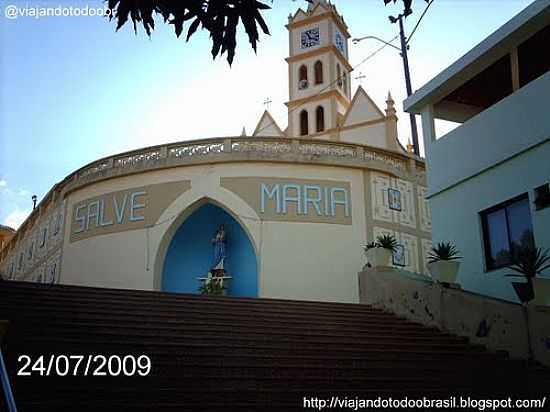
x=360 y=78
x=267 y=103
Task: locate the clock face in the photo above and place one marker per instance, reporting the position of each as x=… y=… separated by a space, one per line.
x=310 y=38
x=339 y=40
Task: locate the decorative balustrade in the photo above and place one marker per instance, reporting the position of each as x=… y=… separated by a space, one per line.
x=392 y=161
x=95 y=168
x=320 y=149
x=136 y=159
x=285 y=149
x=272 y=147
x=189 y=150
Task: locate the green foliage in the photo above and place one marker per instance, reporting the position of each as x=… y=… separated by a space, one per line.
x=219 y=17
x=384 y=241
x=407 y=9
x=371 y=245
x=212 y=287
x=387 y=242
x=443 y=251
x=529 y=262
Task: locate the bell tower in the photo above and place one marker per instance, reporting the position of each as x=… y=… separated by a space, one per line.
x=318 y=70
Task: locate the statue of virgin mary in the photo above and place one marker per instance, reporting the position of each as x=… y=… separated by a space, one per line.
x=219 y=242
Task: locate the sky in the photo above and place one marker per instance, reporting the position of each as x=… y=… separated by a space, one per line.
x=73 y=90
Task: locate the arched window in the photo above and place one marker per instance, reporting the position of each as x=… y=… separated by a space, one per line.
x=318 y=68
x=320 y=118
x=304 y=123
x=338 y=75
x=302 y=77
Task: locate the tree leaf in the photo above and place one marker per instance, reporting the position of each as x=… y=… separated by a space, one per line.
x=192 y=28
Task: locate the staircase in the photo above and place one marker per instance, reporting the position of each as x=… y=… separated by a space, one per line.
x=222 y=353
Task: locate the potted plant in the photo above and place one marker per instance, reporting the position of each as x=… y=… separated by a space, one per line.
x=529 y=262
x=379 y=253
x=443 y=262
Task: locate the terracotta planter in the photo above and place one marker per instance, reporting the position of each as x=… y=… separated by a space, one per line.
x=542 y=291
x=379 y=256
x=444 y=271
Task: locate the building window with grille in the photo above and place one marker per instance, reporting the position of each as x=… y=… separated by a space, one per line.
x=320 y=118
x=506 y=228
x=318 y=69
x=304 y=123
x=302 y=77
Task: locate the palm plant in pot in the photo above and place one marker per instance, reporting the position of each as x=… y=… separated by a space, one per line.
x=443 y=262
x=379 y=253
x=529 y=262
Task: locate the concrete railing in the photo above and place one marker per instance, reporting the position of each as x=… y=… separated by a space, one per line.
x=225 y=150
x=494 y=323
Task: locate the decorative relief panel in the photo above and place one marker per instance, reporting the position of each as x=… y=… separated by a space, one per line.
x=31 y=248
x=56 y=226
x=42 y=238
x=51 y=270
x=38 y=274
x=411 y=251
x=380 y=184
x=407 y=215
x=425 y=212
x=426 y=247
x=410 y=246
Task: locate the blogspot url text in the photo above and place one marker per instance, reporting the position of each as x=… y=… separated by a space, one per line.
x=454 y=402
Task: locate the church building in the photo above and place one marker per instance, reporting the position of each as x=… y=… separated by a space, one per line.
x=285 y=211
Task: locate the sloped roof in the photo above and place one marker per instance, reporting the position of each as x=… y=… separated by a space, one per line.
x=362 y=109
x=267 y=126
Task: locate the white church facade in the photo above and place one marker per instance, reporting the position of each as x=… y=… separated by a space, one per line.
x=298 y=204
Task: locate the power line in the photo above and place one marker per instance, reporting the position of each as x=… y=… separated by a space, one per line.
x=370 y=56
x=419 y=20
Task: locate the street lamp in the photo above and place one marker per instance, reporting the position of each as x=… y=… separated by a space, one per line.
x=403 y=52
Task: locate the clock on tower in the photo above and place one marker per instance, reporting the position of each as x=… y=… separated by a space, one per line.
x=310 y=38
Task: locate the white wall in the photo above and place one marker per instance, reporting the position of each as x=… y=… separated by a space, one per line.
x=455 y=214
x=516 y=123
x=297 y=260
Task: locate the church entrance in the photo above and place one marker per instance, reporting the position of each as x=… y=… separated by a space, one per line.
x=195 y=250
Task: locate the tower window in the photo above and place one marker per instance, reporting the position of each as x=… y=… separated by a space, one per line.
x=320 y=118
x=302 y=77
x=304 y=123
x=338 y=75
x=318 y=68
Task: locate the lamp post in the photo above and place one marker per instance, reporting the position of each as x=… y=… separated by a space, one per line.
x=403 y=52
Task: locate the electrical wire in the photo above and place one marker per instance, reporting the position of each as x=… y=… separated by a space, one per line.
x=418 y=22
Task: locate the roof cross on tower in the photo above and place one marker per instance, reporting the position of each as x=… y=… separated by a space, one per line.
x=267 y=103
x=360 y=78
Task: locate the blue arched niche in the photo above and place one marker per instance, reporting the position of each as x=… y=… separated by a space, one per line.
x=190 y=254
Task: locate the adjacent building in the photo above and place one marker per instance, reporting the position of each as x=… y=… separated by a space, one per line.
x=488 y=179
